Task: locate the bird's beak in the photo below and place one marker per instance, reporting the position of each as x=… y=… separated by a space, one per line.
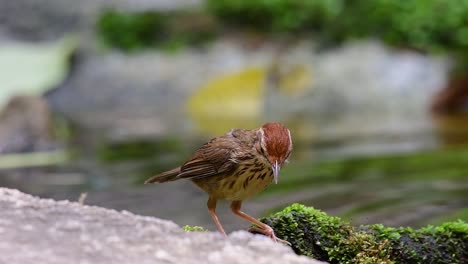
x=276 y=169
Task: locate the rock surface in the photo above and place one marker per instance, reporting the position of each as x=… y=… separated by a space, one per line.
x=25 y=125
x=37 y=230
x=49 y=19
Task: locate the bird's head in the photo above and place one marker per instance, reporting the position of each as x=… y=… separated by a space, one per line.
x=276 y=145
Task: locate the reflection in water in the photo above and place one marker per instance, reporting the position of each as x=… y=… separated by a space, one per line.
x=399 y=189
x=452 y=130
x=364 y=146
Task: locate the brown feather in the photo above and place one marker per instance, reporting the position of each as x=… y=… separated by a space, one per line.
x=278 y=141
x=209 y=160
x=166 y=176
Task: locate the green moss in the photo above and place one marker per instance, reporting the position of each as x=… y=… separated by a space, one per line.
x=314 y=233
x=188 y=228
x=446 y=243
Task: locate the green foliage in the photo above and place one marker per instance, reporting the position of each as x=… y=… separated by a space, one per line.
x=132 y=31
x=276 y=15
x=188 y=228
x=431 y=25
x=313 y=233
x=129 y=31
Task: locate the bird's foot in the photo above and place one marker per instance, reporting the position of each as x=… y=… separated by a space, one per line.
x=268 y=231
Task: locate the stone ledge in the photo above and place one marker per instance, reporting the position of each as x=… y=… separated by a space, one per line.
x=35 y=230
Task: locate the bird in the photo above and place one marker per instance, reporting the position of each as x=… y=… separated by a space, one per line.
x=236 y=166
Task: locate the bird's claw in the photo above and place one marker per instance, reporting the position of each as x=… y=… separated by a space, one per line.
x=269 y=233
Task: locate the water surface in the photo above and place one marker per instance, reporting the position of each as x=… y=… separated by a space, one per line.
x=383 y=184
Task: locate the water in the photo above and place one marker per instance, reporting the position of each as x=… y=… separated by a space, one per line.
x=365 y=147
x=384 y=181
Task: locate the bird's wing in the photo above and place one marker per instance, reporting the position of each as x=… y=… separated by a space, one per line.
x=213 y=158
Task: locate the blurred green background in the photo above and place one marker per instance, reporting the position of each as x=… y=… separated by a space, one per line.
x=99 y=95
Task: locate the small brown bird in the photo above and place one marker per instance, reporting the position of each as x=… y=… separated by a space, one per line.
x=236 y=166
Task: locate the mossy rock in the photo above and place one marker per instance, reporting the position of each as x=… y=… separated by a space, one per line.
x=313 y=233
x=188 y=228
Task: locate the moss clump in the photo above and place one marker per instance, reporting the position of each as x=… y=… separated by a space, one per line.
x=314 y=233
x=188 y=228
x=447 y=243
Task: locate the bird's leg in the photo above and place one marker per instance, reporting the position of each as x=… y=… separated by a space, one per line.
x=262 y=227
x=212 y=209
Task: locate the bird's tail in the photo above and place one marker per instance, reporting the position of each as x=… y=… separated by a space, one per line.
x=166 y=176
